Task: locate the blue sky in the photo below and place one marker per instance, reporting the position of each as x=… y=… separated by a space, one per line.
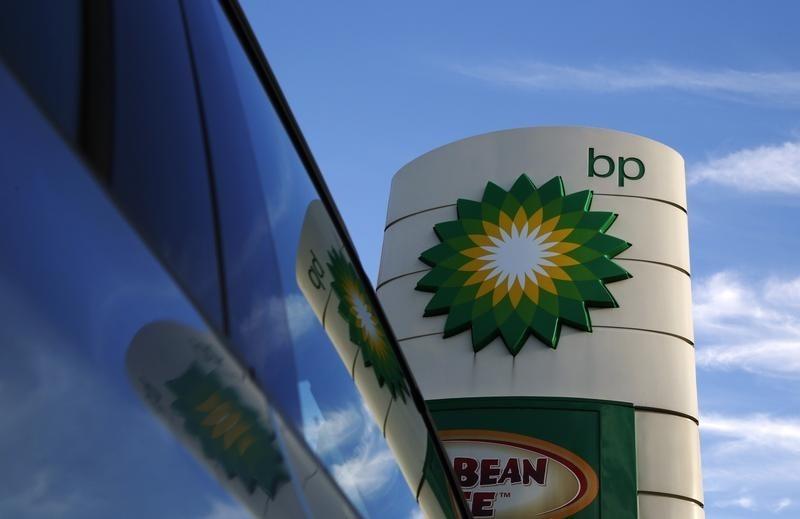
x=374 y=85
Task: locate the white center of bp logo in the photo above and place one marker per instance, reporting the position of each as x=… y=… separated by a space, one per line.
x=364 y=315
x=364 y=326
x=516 y=257
x=522 y=262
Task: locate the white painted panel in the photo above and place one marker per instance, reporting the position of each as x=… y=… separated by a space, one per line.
x=317 y=238
x=656 y=231
x=321 y=494
x=407 y=436
x=645 y=369
x=663 y=507
x=376 y=397
x=285 y=504
x=657 y=298
x=668 y=455
x=429 y=504
x=461 y=169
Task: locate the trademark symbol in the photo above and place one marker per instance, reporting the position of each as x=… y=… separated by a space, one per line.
x=504 y=494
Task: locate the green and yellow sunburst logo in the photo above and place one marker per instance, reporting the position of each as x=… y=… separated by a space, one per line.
x=522 y=262
x=229 y=432
x=366 y=331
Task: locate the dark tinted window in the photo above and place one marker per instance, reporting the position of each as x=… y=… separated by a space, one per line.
x=295 y=298
x=118 y=400
x=76 y=286
x=159 y=170
x=258 y=322
x=264 y=195
x=116 y=78
x=41 y=41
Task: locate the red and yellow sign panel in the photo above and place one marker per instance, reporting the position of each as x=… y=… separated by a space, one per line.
x=519 y=476
x=529 y=457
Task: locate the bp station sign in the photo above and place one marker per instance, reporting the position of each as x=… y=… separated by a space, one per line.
x=538 y=282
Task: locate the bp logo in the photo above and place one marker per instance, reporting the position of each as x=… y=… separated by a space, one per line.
x=365 y=328
x=230 y=432
x=520 y=262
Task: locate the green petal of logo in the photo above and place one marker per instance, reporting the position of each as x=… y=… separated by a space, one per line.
x=366 y=331
x=522 y=262
x=230 y=432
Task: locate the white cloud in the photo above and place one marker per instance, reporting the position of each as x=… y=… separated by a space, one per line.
x=774 y=168
x=746 y=502
x=783 y=293
x=747 y=328
x=371 y=467
x=299 y=314
x=770 y=86
x=42 y=498
x=764 y=357
x=742 y=434
x=275 y=313
x=369 y=471
x=223 y=510
x=724 y=298
x=335 y=429
x=750 y=462
x=782 y=505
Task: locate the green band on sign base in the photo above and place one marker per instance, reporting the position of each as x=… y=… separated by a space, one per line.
x=601 y=433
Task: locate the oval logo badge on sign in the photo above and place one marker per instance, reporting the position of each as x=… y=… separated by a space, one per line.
x=511 y=475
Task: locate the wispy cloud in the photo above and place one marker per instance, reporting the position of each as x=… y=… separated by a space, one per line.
x=744 y=433
x=371 y=466
x=278 y=316
x=747 y=328
x=782 y=505
x=337 y=428
x=732 y=443
x=751 y=461
x=43 y=498
x=226 y=510
x=765 y=357
x=784 y=293
x=774 y=168
x=773 y=86
x=745 y=502
x=369 y=471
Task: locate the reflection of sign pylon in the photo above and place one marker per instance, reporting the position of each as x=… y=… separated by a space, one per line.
x=366 y=331
x=522 y=261
x=228 y=431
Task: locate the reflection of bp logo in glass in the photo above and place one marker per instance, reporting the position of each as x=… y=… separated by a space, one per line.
x=522 y=261
x=366 y=331
x=229 y=432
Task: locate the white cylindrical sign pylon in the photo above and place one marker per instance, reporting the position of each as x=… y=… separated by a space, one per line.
x=538 y=281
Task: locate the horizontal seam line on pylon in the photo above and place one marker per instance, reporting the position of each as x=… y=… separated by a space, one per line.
x=650 y=198
x=675 y=496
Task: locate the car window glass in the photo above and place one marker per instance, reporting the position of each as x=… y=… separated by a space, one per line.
x=115 y=78
x=294 y=294
x=159 y=169
x=41 y=42
x=119 y=400
x=76 y=285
